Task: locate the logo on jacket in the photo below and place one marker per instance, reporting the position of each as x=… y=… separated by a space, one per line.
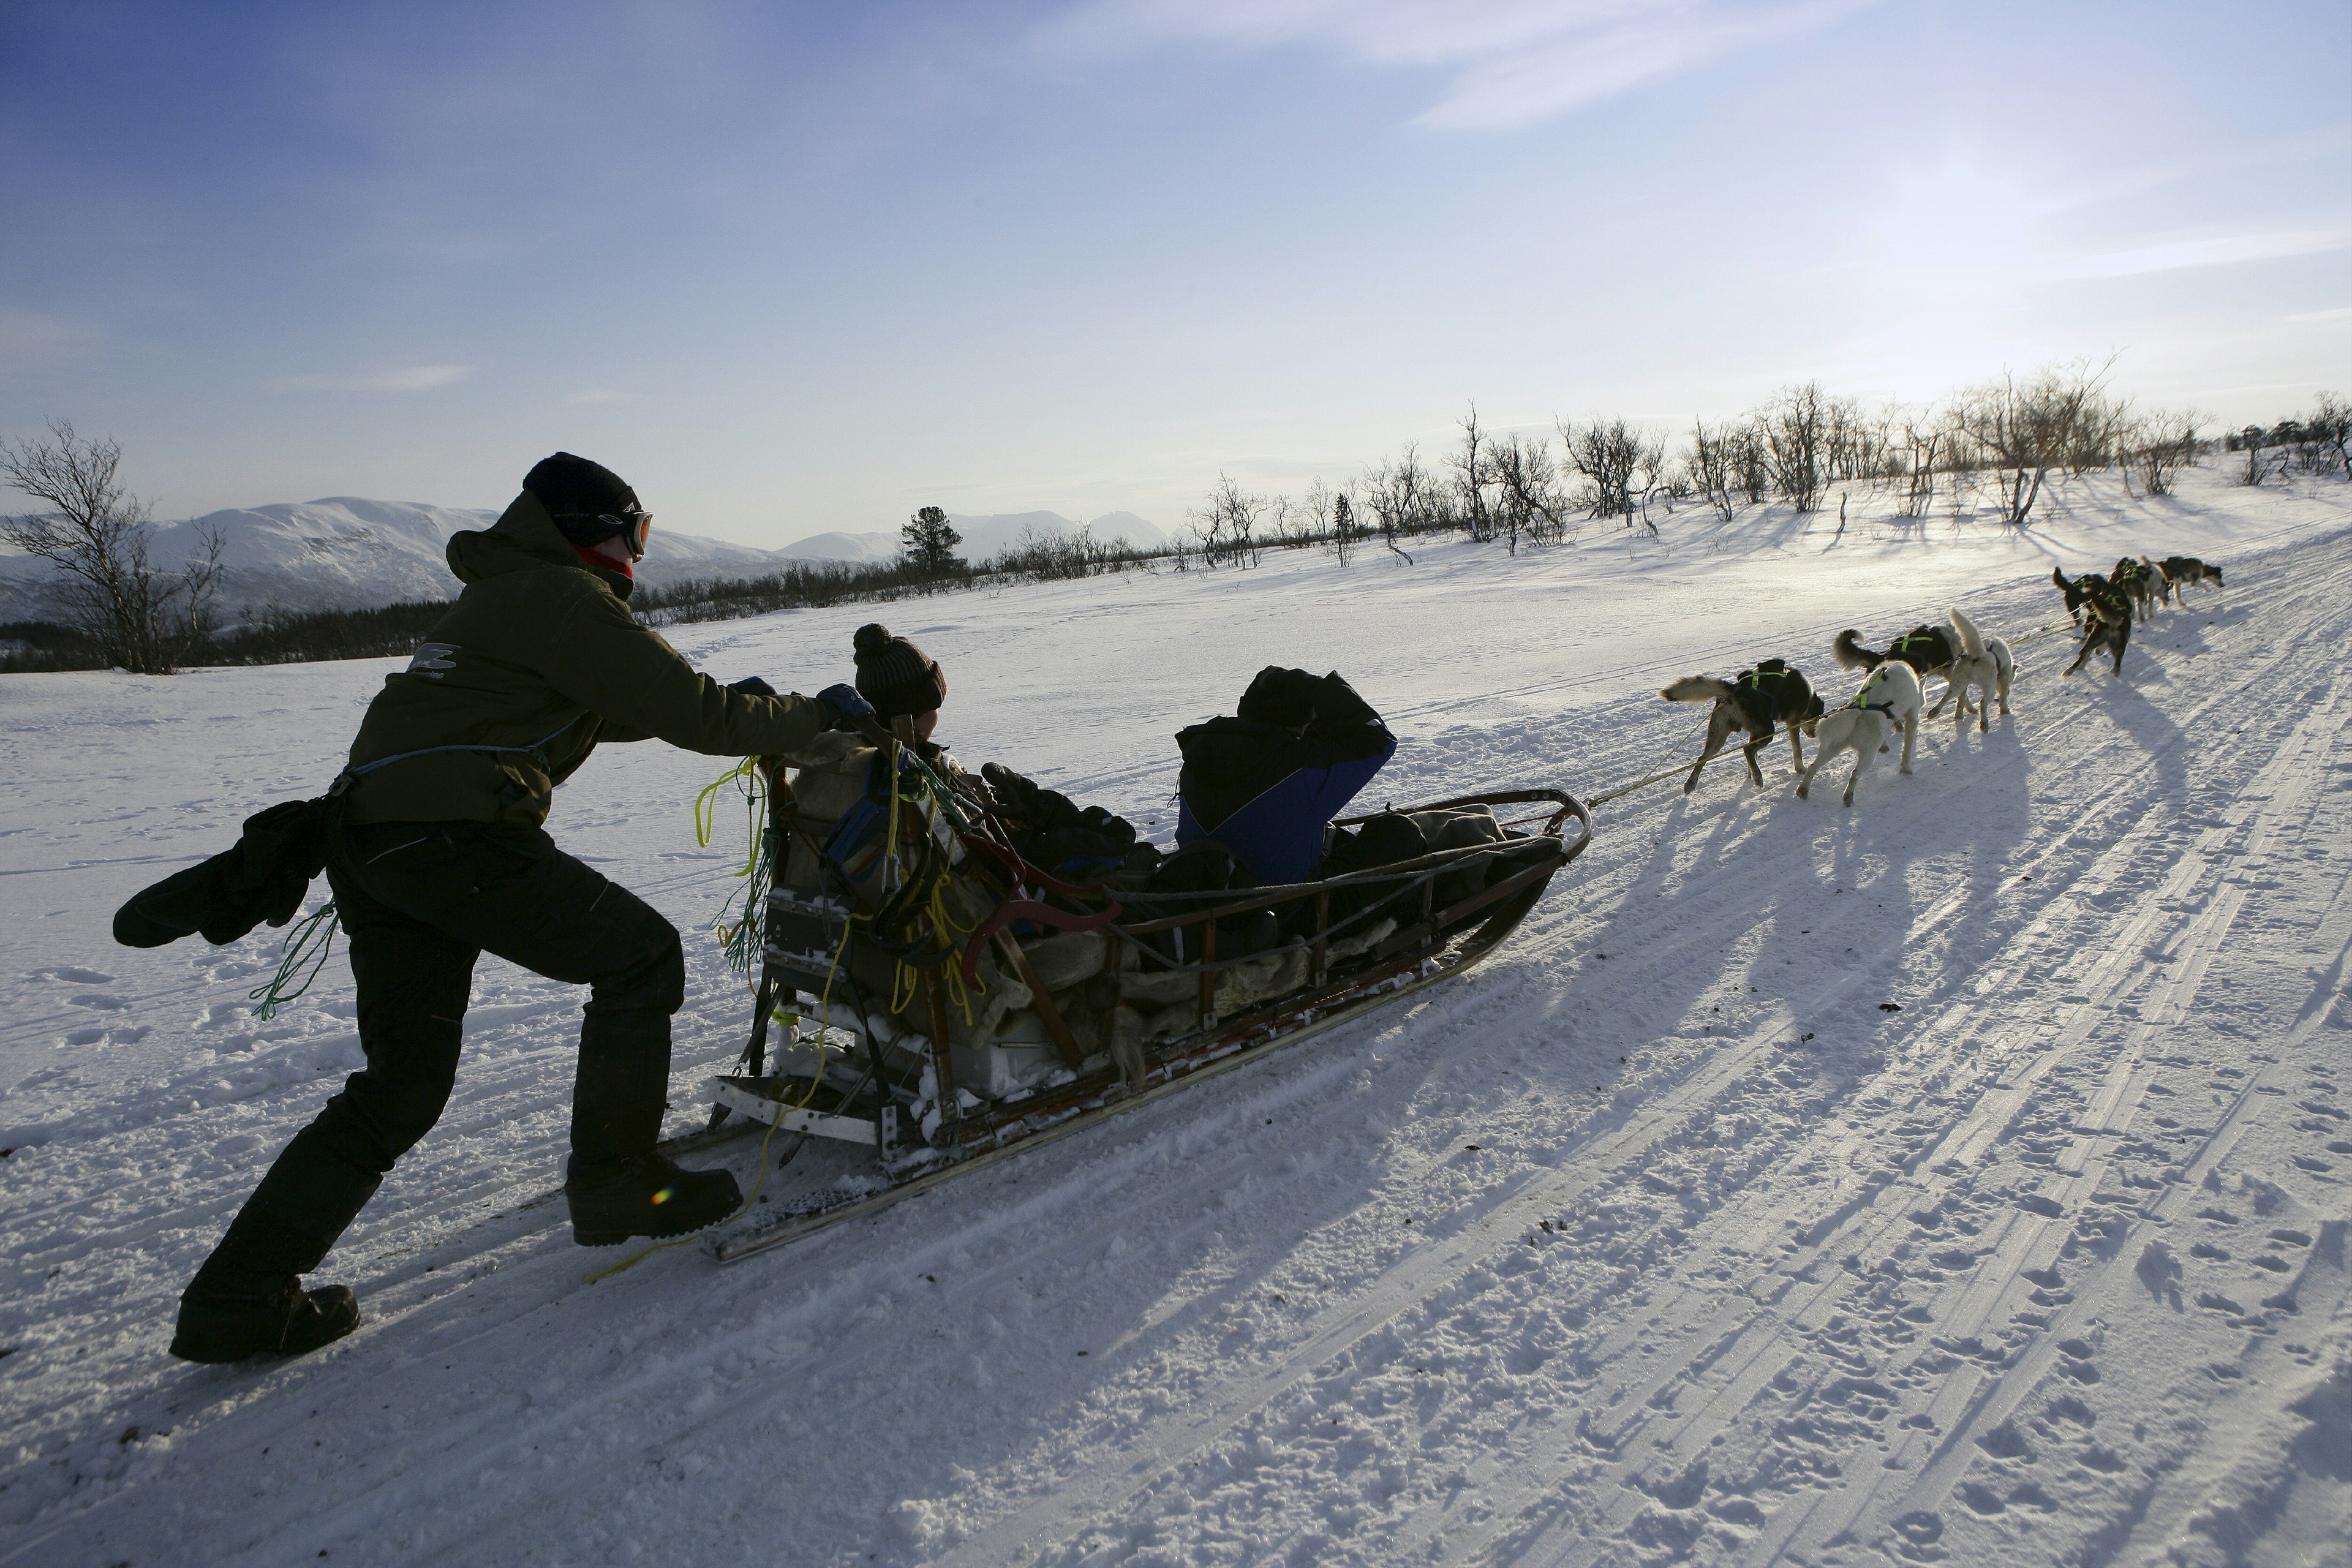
x=432 y=659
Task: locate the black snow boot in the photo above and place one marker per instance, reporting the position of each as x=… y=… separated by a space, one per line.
x=229 y=1322
x=644 y=1196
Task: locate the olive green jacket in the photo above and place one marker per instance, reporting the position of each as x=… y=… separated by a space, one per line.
x=537 y=661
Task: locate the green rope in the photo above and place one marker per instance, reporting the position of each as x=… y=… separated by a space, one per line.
x=309 y=942
x=740 y=938
x=940 y=791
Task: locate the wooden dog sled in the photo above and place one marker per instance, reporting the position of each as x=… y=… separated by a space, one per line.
x=948 y=1026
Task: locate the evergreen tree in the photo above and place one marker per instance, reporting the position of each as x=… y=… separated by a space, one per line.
x=929 y=542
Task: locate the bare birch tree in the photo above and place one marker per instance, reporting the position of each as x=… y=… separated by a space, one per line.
x=147 y=620
x=1471 y=473
x=1529 y=502
x=2027 y=428
x=1620 y=465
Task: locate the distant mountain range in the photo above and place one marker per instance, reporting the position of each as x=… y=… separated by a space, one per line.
x=345 y=552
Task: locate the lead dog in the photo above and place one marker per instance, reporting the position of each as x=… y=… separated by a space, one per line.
x=1982 y=662
x=1757 y=700
x=2180 y=570
x=1888 y=701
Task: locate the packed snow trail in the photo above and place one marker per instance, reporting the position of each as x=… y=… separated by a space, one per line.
x=1654 y=1239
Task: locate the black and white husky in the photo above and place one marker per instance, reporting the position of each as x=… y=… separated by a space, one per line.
x=1982 y=662
x=2079 y=591
x=1928 y=650
x=1757 y=701
x=2180 y=570
x=1888 y=701
x=2108 y=627
x=2139 y=579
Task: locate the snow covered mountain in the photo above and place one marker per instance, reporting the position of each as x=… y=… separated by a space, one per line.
x=348 y=552
x=344 y=553
x=984 y=536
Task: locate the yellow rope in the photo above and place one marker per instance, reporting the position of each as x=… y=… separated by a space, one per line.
x=706 y=806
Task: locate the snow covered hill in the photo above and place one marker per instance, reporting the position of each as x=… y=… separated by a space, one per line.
x=984 y=537
x=1962 y=1177
x=345 y=552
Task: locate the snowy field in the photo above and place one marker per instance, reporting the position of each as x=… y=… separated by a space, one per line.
x=1663 y=1236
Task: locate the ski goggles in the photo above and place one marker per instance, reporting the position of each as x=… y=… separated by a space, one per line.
x=631 y=526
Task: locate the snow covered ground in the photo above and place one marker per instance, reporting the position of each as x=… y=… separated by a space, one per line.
x=1663 y=1236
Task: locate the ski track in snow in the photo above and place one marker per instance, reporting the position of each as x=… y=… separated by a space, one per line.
x=1655 y=1239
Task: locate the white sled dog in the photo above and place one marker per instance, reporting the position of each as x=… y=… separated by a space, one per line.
x=1982 y=662
x=1888 y=701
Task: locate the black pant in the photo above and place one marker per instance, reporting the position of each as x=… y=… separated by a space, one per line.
x=421 y=901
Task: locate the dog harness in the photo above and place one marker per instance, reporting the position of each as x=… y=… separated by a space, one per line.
x=1862 y=700
x=1925 y=639
x=1754 y=680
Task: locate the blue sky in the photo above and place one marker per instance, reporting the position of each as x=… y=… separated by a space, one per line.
x=795 y=267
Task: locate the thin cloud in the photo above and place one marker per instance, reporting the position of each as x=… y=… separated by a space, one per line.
x=1516 y=62
x=411 y=378
x=594 y=395
x=2217 y=250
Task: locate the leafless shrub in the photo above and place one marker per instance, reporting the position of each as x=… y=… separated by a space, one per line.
x=2026 y=429
x=1709 y=464
x=1401 y=497
x=1795 y=430
x=1041 y=557
x=1853 y=442
x=1621 y=466
x=146 y=620
x=2328 y=431
x=1528 y=504
x=2154 y=448
x=1924 y=438
x=1226 y=529
x=1473 y=472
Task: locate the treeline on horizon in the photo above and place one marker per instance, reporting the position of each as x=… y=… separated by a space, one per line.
x=2009 y=436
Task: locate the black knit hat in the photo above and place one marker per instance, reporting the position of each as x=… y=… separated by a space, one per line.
x=895 y=675
x=578 y=494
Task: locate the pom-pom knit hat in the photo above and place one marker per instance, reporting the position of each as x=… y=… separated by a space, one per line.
x=895 y=675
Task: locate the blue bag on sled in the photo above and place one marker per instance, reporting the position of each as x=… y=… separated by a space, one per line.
x=1267 y=781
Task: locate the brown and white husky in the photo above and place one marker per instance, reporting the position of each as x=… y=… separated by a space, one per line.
x=1757 y=701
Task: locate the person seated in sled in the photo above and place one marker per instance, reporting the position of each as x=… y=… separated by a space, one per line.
x=908 y=688
x=901 y=681
x=436 y=850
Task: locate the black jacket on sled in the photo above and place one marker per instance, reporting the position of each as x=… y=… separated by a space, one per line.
x=1265 y=780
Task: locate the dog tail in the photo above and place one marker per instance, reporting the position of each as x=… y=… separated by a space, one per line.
x=1697 y=688
x=1971 y=640
x=2058 y=579
x=1852 y=655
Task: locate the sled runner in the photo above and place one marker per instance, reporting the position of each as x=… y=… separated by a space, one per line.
x=956 y=1005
